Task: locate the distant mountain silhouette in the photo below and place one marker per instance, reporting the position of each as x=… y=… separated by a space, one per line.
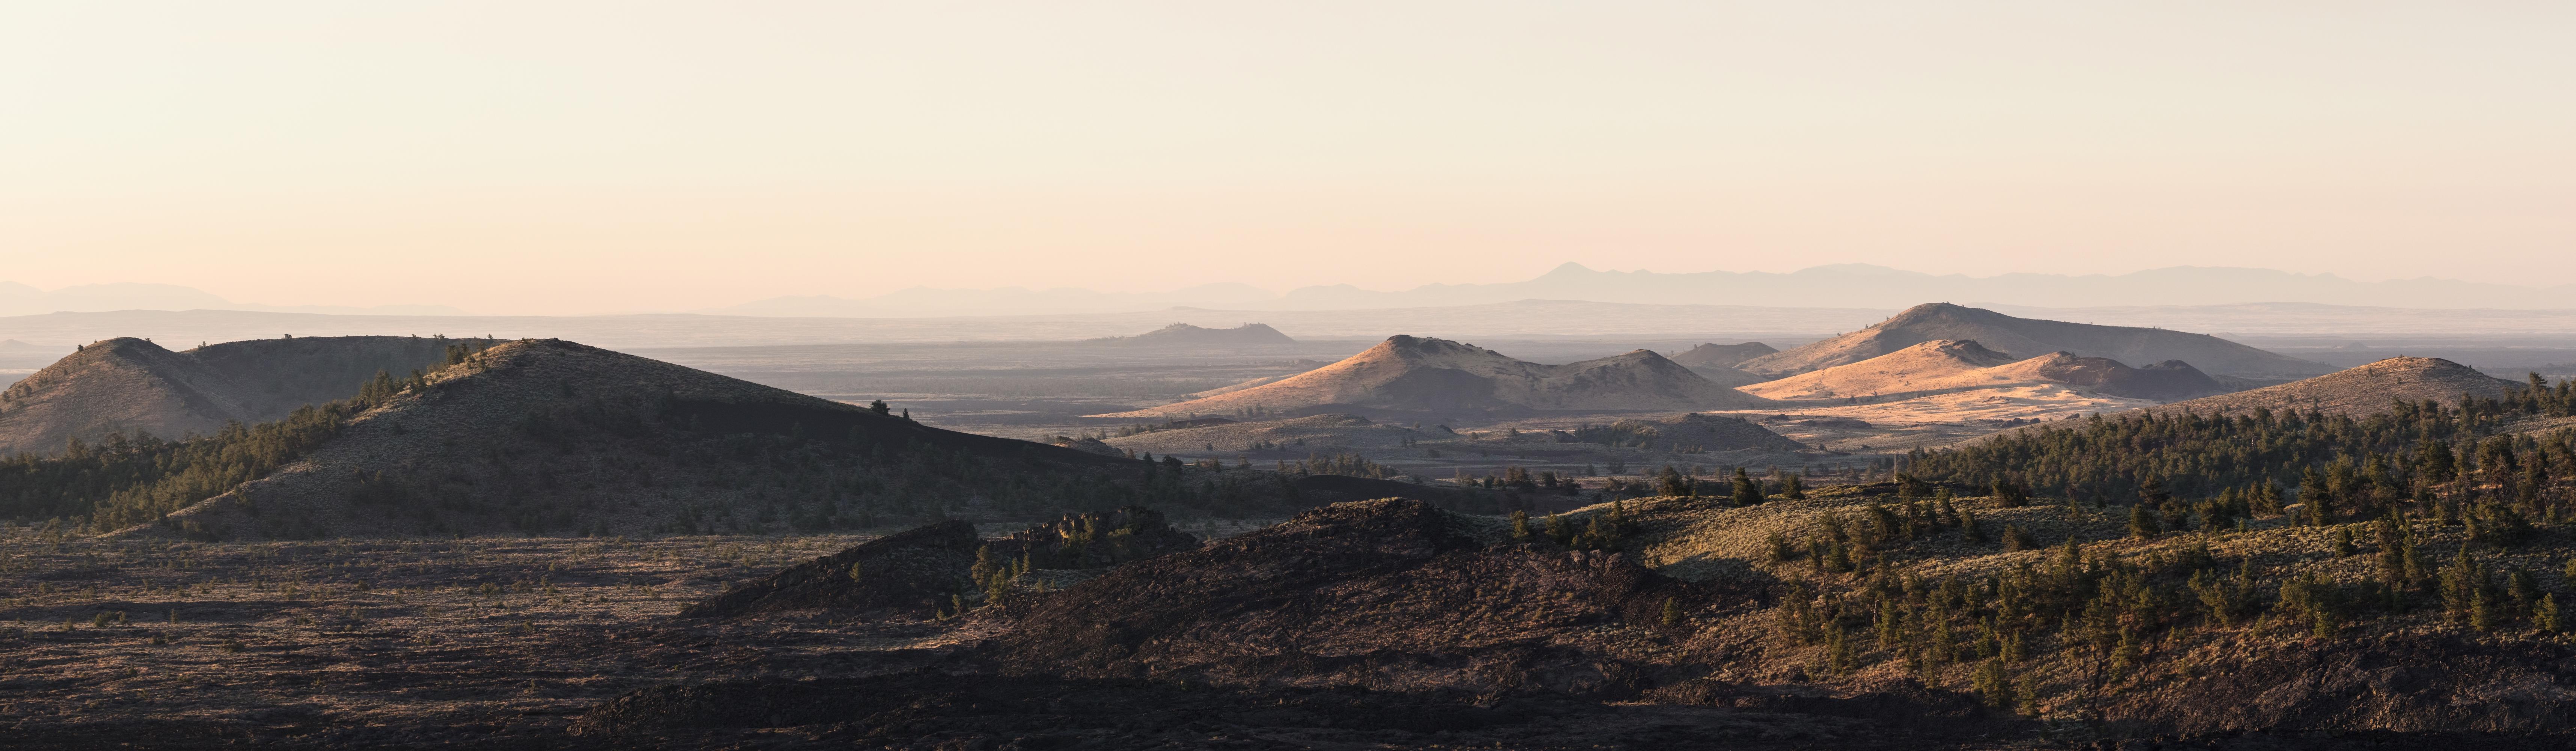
x=1838 y=285
x=2026 y=337
x=1185 y=335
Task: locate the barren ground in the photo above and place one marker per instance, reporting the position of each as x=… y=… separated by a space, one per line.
x=483 y=642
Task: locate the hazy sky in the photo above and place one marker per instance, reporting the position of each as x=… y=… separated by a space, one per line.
x=582 y=157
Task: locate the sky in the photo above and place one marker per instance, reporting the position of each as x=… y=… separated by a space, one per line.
x=583 y=157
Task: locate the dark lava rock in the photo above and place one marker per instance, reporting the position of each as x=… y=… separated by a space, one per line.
x=1390 y=594
x=1095 y=540
x=2435 y=682
x=928 y=710
x=916 y=568
x=921 y=568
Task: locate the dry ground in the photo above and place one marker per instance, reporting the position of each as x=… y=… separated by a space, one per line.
x=474 y=641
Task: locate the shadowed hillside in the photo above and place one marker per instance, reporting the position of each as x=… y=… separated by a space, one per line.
x=1716 y=362
x=1722 y=355
x=551 y=436
x=134 y=386
x=2024 y=338
x=2369 y=389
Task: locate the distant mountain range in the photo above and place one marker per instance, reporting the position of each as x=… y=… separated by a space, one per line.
x=19 y=299
x=52 y=335
x=1852 y=285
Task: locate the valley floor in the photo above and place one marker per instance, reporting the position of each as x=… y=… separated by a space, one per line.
x=356 y=644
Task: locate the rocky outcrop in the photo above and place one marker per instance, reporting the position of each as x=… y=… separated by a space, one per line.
x=914 y=570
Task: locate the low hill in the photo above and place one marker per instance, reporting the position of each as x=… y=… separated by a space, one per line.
x=915 y=571
x=546 y=436
x=1185 y=335
x=2368 y=389
x=2026 y=337
x=134 y=386
x=1928 y=367
x=2165 y=381
x=1946 y=366
x=1417 y=374
x=1408 y=588
x=1711 y=355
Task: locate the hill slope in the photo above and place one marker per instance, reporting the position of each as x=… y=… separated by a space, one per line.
x=1945 y=366
x=1929 y=367
x=1711 y=355
x=1416 y=374
x=2025 y=337
x=2364 y=390
x=135 y=386
x=540 y=436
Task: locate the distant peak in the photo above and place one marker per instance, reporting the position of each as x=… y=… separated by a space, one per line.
x=1568 y=268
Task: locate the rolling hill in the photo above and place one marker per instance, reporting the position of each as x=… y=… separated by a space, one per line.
x=1944 y=366
x=1423 y=375
x=547 y=436
x=2364 y=390
x=2026 y=337
x=135 y=386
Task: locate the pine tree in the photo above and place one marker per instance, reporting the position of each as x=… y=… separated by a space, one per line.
x=1672 y=612
x=1520 y=526
x=2017 y=540
x=1994 y=684
x=1793 y=487
x=1838 y=652
x=2142 y=523
x=1747 y=491
x=2011 y=495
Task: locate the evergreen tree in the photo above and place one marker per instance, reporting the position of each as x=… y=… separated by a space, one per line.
x=2015 y=539
x=1747 y=491
x=2010 y=494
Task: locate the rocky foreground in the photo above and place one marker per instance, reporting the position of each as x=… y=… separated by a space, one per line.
x=1658 y=623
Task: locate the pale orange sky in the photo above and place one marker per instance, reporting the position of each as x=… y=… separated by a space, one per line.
x=587 y=157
